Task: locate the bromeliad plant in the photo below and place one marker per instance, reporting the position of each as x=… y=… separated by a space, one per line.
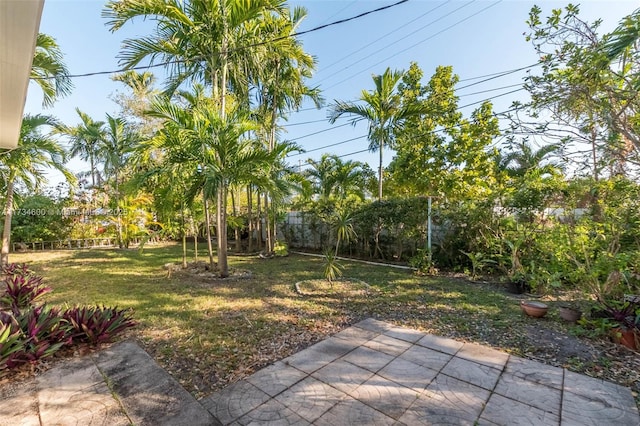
x=22 y=291
x=95 y=324
x=29 y=332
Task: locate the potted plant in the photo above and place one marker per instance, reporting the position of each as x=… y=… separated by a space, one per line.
x=626 y=316
x=569 y=312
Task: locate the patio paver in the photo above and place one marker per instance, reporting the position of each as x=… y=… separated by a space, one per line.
x=375 y=373
x=372 y=373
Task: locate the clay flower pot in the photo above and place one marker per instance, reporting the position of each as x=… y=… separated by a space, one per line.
x=626 y=338
x=534 y=309
x=569 y=314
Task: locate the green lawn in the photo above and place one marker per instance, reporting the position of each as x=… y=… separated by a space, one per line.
x=208 y=334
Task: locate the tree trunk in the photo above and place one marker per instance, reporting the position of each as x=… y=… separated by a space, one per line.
x=236 y=229
x=207 y=220
x=250 y=215
x=258 y=221
x=268 y=243
x=380 y=174
x=184 y=239
x=221 y=219
x=6 y=232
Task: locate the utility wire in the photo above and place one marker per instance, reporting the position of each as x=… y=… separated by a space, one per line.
x=418 y=43
x=403 y=25
x=495 y=114
x=395 y=42
x=162 y=64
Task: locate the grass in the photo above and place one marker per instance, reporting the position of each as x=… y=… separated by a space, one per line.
x=208 y=334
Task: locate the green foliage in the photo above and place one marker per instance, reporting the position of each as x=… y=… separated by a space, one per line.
x=11 y=341
x=423 y=262
x=281 y=248
x=478 y=262
x=40 y=218
x=332 y=268
x=439 y=152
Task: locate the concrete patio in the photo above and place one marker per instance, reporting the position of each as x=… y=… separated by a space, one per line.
x=370 y=373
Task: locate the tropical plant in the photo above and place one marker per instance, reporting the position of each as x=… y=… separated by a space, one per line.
x=24 y=165
x=49 y=71
x=44 y=333
x=22 y=291
x=97 y=324
x=384 y=112
x=86 y=139
x=332 y=268
x=11 y=341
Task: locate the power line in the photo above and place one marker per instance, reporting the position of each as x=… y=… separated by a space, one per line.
x=420 y=42
x=403 y=25
x=395 y=42
x=320 y=27
x=322 y=131
x=500 y=73
x=495 y=114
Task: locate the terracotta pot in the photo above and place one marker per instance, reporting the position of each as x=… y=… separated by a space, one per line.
x=534 y=309
x=569 y=314
x=626 y=338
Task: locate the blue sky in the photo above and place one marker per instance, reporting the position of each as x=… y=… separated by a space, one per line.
x=476 y=37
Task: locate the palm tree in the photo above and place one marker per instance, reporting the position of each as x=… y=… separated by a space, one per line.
x=216 y=42
x=25 y=165
x=384 y=112
x=49 y=71
x=117 y=145
x=525 y=159
x=86 y=138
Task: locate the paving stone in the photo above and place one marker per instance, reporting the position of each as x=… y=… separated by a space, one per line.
x=385 y=396
x=426 y=357
x=531 y=393
x=374 y=325
x=276 y=378
x=472 y=372
x=356 y=335
x=310 y=398
x=483 y=355
x=234 y=401
x=388 y=345
x=590 y=401
x=442 y=344
x=76 y=393
x=446 y=401
x=408 y=374
x=342 y=375
x=535 y=371
x=508 y=412
x=368 y=359
x=320 y=354
x=406 y=334
x=353 y=412
x=19 y=404
x=272 y=413
x=149 y=395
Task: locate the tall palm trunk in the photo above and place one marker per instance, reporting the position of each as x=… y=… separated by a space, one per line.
x=380 y=174
x=250 y=215
x=221 y=219
x=236 y=229
x=184 y=238
x=268 y=243
x=207 y=221
x=121 y=242
x=258 y=221
x=6 y=231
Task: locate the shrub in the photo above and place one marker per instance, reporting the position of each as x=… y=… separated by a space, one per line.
x=95 y=324
x=13 y=269
x=43 y=332
x=11 y=340
x=22 y=291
